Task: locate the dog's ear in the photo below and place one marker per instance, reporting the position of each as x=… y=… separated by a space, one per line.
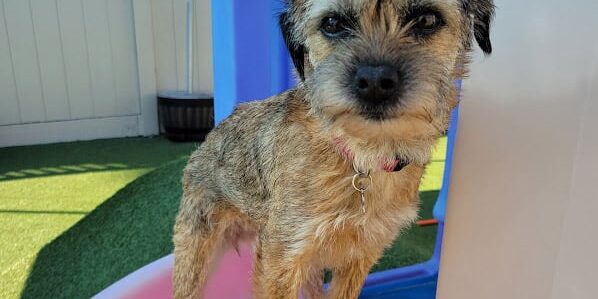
x=296 y=49
x=482 y=12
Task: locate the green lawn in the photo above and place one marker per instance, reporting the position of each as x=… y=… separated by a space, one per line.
x=76 y=217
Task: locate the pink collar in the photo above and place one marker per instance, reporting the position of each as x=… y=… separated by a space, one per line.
x=387 y=165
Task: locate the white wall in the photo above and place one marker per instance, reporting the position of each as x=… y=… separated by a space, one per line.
x=521 y=218
x=87 y=69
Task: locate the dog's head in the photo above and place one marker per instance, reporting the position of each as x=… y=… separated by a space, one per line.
x=376 y=66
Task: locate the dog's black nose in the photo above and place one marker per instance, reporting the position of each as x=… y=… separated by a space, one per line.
x=376 y=84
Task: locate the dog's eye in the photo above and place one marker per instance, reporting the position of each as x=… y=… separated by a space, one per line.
x=426 y=23
x=335 y=26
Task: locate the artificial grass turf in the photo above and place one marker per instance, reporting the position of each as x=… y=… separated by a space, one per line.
x=46 y=189
x=129 y=229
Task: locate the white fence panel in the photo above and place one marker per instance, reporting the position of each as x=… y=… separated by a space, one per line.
x=169 y=34
x=9 y=104
x=76 y=63
x=23 y=49
x=51 y=63
x=86 y=69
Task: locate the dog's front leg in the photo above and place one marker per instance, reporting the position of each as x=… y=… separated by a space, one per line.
x=347 y=281
x=314 y=286
x=279 y=276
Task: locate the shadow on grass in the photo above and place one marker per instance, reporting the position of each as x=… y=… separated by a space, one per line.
x=129 y=230
x=43 y=212
x=134 y=228
x=61 y=170
x=89 y=156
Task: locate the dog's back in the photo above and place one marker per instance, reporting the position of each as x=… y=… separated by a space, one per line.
x=236 y=161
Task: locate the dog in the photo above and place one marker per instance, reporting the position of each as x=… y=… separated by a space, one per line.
x=326 y=175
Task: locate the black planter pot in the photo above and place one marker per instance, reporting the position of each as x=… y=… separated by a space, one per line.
x=185 y=117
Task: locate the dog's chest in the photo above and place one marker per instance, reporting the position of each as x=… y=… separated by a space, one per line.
x=360 y=238
x=347 y=232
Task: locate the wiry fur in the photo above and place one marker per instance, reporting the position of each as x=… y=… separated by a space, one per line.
x=272 y=170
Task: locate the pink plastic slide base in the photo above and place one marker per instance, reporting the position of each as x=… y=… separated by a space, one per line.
x=230 y=280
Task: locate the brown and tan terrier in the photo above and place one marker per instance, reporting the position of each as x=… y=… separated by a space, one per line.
x=326 y=175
